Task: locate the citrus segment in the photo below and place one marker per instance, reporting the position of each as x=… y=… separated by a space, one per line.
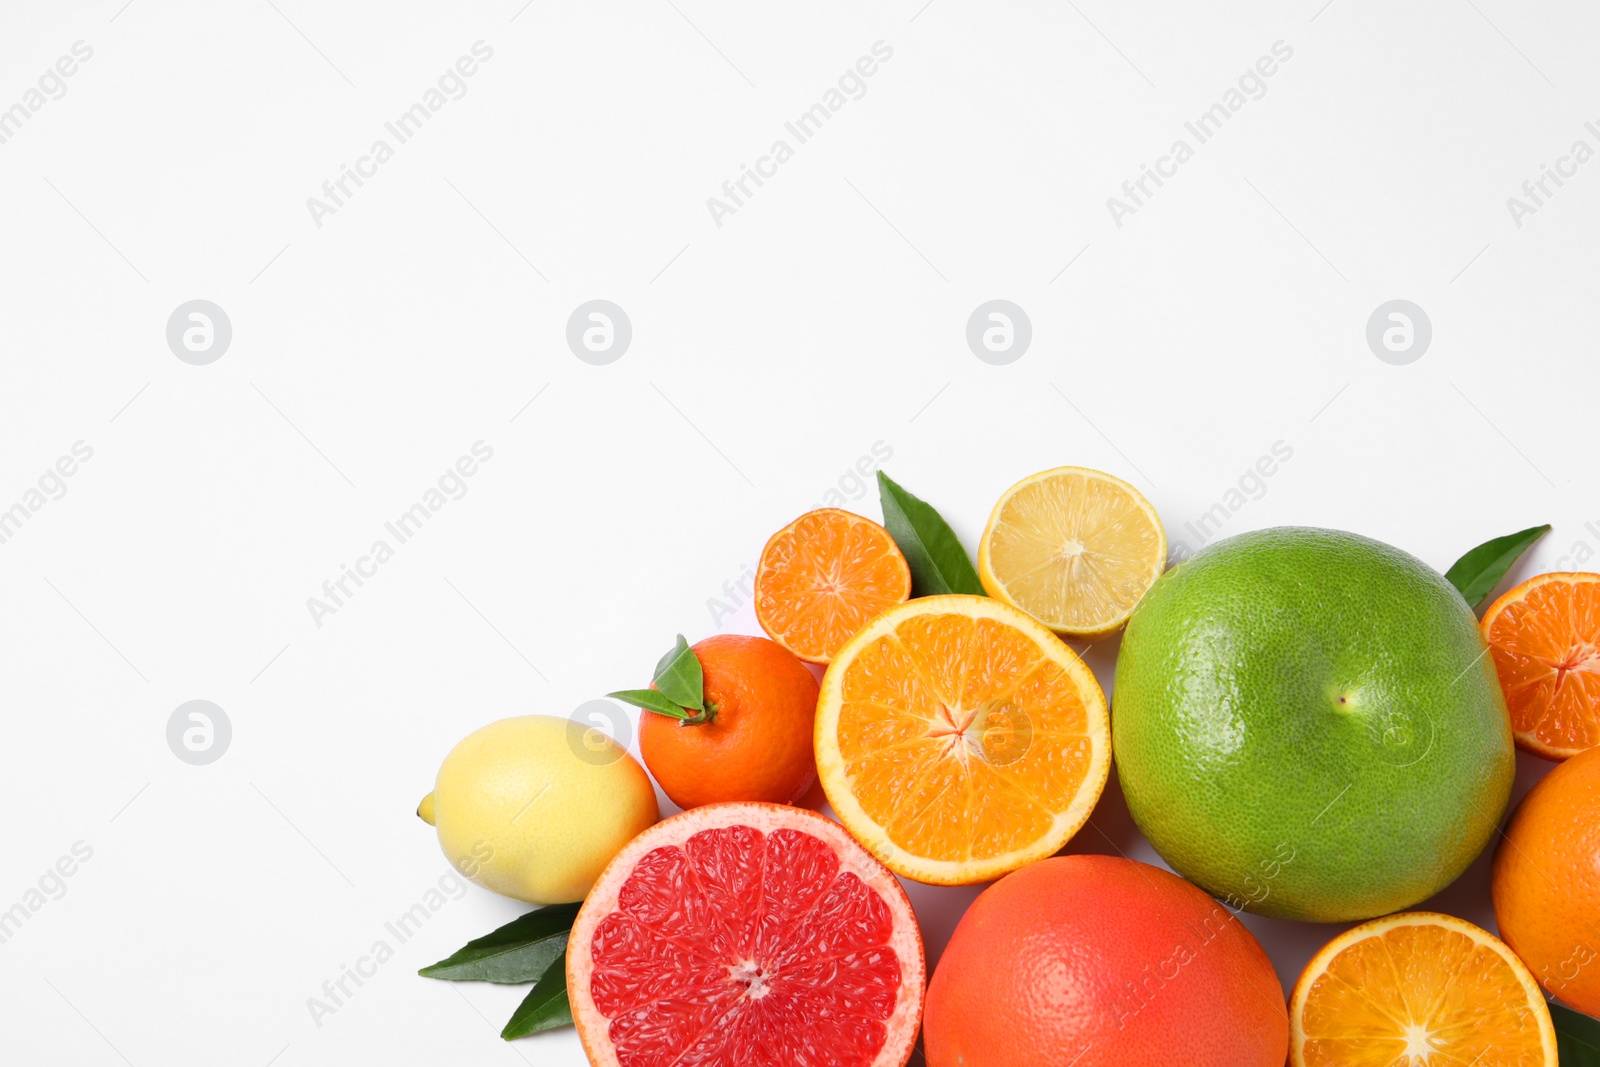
x=1074 y=548
x=1545 y=639
x=1418 y=988
x=822 y=577
x=958 y=739
x=741 y=933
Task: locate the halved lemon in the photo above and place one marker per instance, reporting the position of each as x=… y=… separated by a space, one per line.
x=1073 y=547
x=1414 y=989
x=958 y=739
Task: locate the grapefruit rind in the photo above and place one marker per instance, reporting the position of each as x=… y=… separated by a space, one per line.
x=1527 y=738
x=996 y=587
x=831 y=764
x=903 y=1024
x=1319 y=964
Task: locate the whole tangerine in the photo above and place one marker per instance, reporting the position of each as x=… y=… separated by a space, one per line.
x=755 y=740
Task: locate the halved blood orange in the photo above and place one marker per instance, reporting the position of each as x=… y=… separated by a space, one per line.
x=959 y=739
x=822 y=577
x=746 y=935
x=1545 y=639
x=1418 y=988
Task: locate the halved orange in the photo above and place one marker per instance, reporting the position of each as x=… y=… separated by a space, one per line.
x=1415 y=989
x=958 y=739
x=1073 y=547
x=1544 y=636
x=822 y=577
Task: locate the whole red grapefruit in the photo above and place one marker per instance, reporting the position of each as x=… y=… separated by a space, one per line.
x=1096 y=961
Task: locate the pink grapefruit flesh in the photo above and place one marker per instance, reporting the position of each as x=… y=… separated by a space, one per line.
x=743 y=935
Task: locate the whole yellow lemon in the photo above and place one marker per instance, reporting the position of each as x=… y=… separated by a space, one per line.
x=534 y=807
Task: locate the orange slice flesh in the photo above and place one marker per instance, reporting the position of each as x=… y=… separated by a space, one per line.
x=958 y=739
x=822 y=577
x=1418 y=989
x=1544 y=636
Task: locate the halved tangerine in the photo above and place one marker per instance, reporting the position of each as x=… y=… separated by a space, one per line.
x=822 y=577
x=959 y=739
x=1418 y=988
x=1544 y=636
x=746 y=935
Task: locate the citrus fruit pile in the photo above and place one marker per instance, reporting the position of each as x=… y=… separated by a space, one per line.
x=1307 y=724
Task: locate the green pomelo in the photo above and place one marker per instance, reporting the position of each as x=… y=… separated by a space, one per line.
x=1305 y=725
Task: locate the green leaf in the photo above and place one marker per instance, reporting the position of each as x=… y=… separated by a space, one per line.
x=520 y=951
x=938 y=562
x=544 y=1008
x=1577 y=1037
x=650 y=700
x=679 y=676
x=1479 y=571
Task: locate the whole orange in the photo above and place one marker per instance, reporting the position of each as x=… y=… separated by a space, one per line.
x=761 y=701
x=1546 y=882
x=1097 y=961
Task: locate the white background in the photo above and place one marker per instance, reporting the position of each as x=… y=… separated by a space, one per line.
x=769 y=355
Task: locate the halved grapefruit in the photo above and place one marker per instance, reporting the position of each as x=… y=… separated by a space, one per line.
x=742 y=935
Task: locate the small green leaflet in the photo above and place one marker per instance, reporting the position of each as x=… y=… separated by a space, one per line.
x=679 y=677
x=522 y=950
x=680 y=687
x=938 y=562
x=650 y=700
x=544 y=1008
x=1577 y=1037
x=1479 y=571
